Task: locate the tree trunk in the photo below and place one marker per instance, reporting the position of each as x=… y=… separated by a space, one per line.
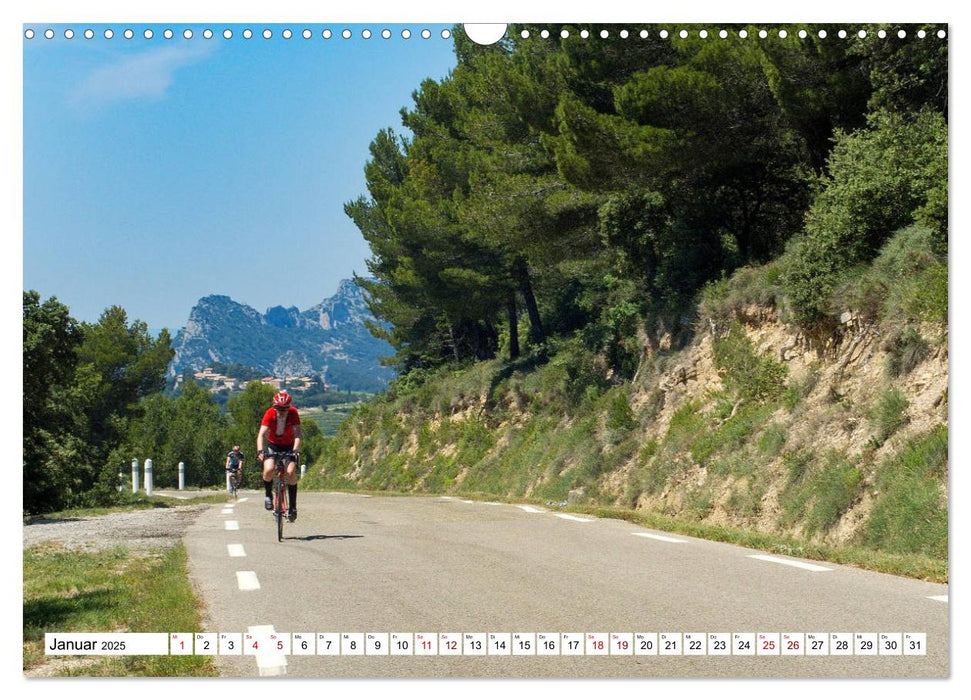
x=537 y=336
x=513 y=326
x=455 y=346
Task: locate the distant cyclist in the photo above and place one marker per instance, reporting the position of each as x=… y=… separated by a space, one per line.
x=234 y=463
x=281 y=429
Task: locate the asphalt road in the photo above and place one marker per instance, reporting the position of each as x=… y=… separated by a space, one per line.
x=430 y=565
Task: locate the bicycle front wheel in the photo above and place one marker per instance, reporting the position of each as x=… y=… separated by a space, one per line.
x=281 y=510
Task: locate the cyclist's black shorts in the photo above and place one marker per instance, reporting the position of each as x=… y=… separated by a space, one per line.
x=272 y=449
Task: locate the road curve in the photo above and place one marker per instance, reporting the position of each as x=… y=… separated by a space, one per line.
x=359 y=564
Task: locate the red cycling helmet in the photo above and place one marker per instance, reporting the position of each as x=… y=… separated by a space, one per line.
x=281 y=400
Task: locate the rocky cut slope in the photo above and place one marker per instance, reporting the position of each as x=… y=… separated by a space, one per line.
x=840 y=441
x=328 y=340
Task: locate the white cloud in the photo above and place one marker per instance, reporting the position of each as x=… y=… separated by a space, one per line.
x=144 y=76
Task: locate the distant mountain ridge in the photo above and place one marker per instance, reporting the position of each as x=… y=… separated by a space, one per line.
x=328 y=340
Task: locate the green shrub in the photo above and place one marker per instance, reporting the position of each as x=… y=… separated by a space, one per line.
x=745 y=499
x=647 y=451
x=576 y=373
x=889 y=413
x=904 y=280
x=700 y=502
x=772 y=439
x=723 y=301
x=799 y=388
x=797 y=465
x=905 y=350
x=910 y=512
x=880 y=179
x=656 y=474
x=732 y=434
x=620 y=417
x=833 y=489
x=686 y=424
x=818 y=494
x=927 y=295
x=747 y=374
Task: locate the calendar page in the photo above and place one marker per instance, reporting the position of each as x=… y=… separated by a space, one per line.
x=415 y=348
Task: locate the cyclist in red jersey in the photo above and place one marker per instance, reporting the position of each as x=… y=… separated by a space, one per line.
x=280 y=429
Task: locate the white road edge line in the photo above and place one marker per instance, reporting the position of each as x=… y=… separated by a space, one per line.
x=662 y=538
x=941 y=598
x=268 y=663
x=232 y=525
x=789 y=562
x=236 y=550
x=247 y=581
x=565 y=516
x=530 y=509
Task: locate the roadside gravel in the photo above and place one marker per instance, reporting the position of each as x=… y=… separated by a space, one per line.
x=155 y=528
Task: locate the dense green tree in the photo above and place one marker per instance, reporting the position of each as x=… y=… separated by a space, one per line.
x=907 y=74
x=879 y=180
x=51 y=342
x=591 y=188
x=196 y=431
x=89 y=379
x=128 y=364
x=244 y=413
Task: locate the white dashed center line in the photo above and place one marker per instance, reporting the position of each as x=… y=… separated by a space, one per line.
x=247 y=581
x=268 y=663
x=573 y=517
x=662 y=538
x=232 y=525
x=941 y=598
x=236 y=550
x=789 y=562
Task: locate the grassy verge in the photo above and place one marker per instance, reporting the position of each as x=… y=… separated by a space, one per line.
x=112 y=591
x=910 y=565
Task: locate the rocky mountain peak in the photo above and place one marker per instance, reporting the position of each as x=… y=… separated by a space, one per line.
x=329 y=339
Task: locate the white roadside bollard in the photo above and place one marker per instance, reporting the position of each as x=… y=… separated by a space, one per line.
x=148 y=477
x=181 y=476
x=227 y=481
x=303 y=470
x=134 y=476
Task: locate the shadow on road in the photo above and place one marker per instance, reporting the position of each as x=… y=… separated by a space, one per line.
x=310 y=538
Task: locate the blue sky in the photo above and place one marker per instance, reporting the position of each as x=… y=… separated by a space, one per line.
x=157 y=171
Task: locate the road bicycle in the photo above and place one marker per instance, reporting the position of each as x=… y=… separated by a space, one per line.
x=233 y=484
x=281 y=498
